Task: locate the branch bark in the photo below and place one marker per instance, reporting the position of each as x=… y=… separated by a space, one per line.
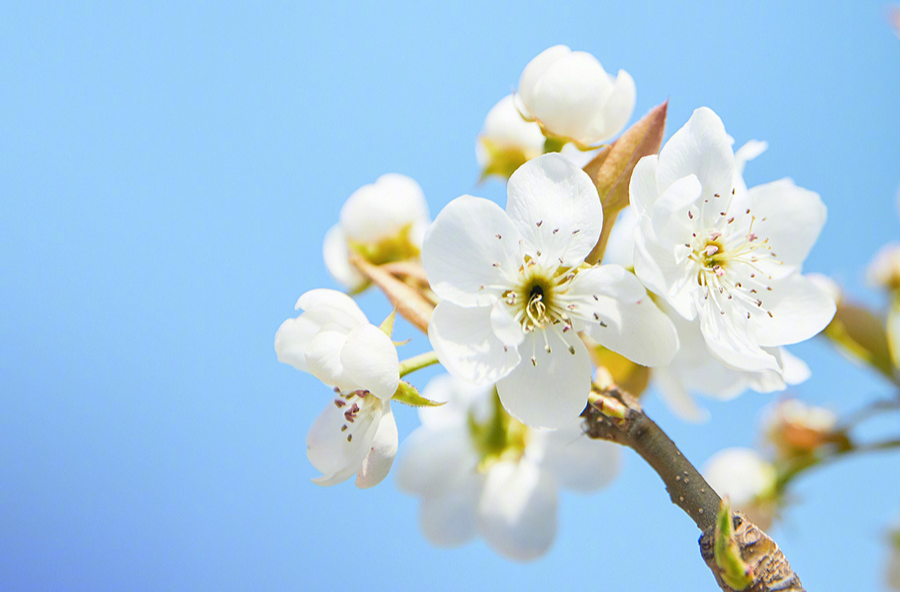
x=689 y=491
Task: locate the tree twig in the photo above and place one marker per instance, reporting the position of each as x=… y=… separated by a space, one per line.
x=687 y=489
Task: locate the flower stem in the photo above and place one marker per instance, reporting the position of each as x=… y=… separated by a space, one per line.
x=689 y=491
x=806 y=463
x=418 y=362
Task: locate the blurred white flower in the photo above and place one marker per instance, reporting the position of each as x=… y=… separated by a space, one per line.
x=884 y=270
x=506 y=140
x=747 y=479
x=727 y=256
x=515 y=294
x=795 y=428
x=334 y=341
x=572 y=97
x=382 y=222
x=480 y=472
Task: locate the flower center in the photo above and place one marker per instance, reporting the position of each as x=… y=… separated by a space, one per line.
x=539 y=297
x=731 y=263
x=500 y=437
x=356 y=405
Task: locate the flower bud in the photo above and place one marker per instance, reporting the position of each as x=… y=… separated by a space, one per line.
x=796 y=429
x=507 y=141
x=572 y=97
x=748 y=480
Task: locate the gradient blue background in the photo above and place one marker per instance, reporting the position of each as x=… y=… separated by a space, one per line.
x=167 y=173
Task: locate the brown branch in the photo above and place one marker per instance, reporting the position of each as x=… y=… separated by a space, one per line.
x=606 y=420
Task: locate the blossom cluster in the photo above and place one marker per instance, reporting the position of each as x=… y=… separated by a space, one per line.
x=702 y=283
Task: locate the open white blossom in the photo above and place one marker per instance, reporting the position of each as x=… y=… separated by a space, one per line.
x=382 y=222
x=334 y=341
x=747 y=479
x=480 y=473
x=515 y=293
x=572 y=97
x=728 y=256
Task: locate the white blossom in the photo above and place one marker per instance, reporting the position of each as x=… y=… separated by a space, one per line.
x=728 y=256
x=383 y=222
x=504 y=489
x=334 y=341
x=694 y=370
x=515 y=294
x=572 y=97
x=506 y=140
x=747 y=479
x=884 y=270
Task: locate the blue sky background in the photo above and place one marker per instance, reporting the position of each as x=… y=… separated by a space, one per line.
x=167 y=173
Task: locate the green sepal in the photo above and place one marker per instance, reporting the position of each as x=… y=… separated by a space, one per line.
x=734 y=570
x=387 y=325
x=409 y=395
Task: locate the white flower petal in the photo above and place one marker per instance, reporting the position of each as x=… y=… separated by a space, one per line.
x=370 y=360
x=676 y=396
x=331 y=309
x=536 y=69
x=379 y=210
x=635 y=327
x=799 y=310
x=323 y=357
x=643 y=190
x=505 y=326
x=460 y=400
x=466 y=345
x=578 y=462
x=450 y=518
x=504 y=128
x=292 y=340
x=556 y=208
x=615 y=113
x=796 y=370
x=377 y=463
x=336 y=255
x=553 y=391
x=662 y=274
x=517 y=513
x=670 y=221
x=739 y=473
x=329 y=449
x=433 y=460
x=789 y=216
x=749 y=151
x=570 y=97
x=700 y=148
x=728 y=339
x=465 y=261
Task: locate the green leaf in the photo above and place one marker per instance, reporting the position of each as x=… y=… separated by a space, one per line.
x=735 y=571
x=409 y=395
